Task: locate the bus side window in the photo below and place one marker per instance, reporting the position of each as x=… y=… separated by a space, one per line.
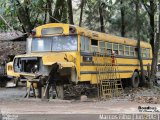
x=109 y=48
x=94 y=45
x=148 y=53
x=131 y=51
x=143 y=52
x=115 y=48
x=102 y=46
x=121 y=49
x=136 y=52
x=126 y=50
x=84 y=43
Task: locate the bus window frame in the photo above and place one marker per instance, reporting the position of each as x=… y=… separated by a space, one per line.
x=121 y=49
x=44 y=31
x=109 y=49
x=104 y=47
x=85 y=43
x=131 y=51
x=95 y=46
x=116 y=51
x=52 y=43
x=148 y=52
x=127 y=51
x=144 y=53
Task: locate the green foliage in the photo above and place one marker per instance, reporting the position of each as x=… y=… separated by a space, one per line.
x=92 y=13
x=38 y=14
x=130 y=20
x=34 y=8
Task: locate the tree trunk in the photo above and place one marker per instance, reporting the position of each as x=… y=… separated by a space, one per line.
x=122 y=20
x=139 y=42
x=81 y=14
x=151 y=11
x=49 y=7
x=64 y=18
x=154 y=60
x=156 y=49
x=22 y=24
x=152 y=7
x=152 y=31
x=70 y=13
x=45 y=15
x=36 y=20
x=58 y=11
x=101 y=19
x=24 y=17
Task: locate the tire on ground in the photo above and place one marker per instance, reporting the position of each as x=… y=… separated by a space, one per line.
x=135 y=80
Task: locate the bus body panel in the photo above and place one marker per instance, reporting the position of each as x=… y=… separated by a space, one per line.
x=86 y=70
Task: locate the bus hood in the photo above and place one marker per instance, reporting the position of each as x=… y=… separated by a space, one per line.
x=65 y=59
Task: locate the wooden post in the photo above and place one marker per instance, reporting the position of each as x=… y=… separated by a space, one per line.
x=45 y=92
x=60 y=91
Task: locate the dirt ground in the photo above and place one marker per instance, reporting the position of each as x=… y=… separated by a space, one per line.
x=12 y=102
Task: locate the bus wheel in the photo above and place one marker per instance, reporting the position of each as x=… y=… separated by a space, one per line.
x=135 y=80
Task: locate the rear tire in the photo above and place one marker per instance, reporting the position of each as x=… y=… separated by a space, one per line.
x=135 y=80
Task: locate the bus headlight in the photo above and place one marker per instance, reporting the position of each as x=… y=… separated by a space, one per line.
x=10 y=67
x=36 y=67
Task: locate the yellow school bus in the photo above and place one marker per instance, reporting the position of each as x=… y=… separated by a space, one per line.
x=66 y=54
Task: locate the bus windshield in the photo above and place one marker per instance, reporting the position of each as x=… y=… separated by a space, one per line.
x=55 y=43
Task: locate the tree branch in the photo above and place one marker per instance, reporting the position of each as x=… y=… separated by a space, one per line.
x=36 y=19
x=146 y=7
x=45 y=15
x=18 y=2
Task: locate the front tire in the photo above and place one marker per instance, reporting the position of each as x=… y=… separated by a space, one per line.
x=135 y=80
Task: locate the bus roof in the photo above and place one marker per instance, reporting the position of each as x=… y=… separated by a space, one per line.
x=92 y=34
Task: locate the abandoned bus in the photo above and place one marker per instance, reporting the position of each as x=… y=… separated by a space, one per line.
x=65 y=54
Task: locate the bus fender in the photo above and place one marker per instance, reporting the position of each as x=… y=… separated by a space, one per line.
x=74 y=77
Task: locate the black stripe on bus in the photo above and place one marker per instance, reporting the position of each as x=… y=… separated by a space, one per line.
x=96 y=72
x=94 y=64
x=86 y=54
x=116 y=56
x=131 y=57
